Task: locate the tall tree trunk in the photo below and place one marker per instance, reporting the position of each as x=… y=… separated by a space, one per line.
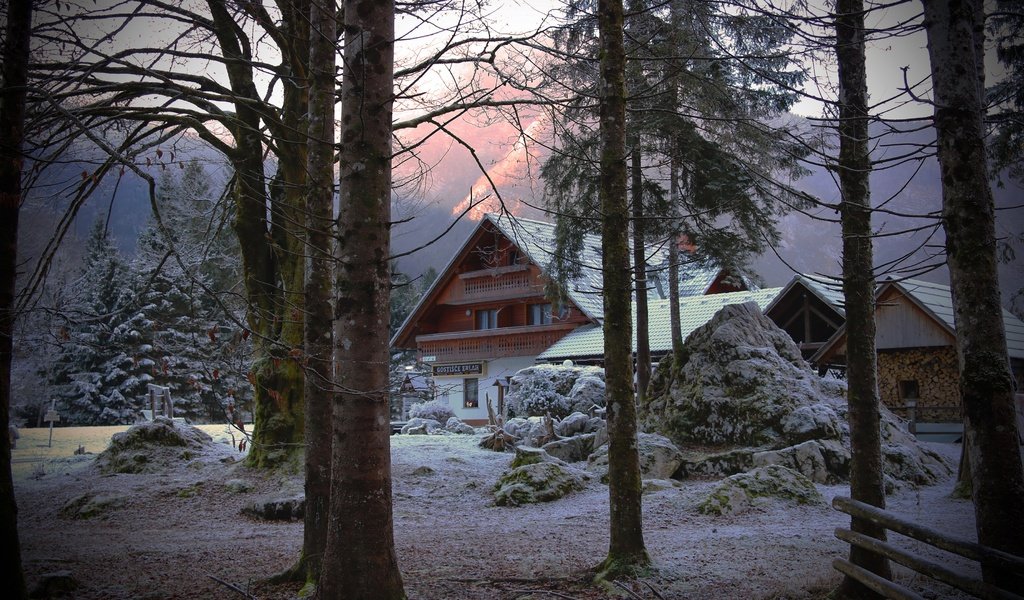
x=626 y=552
x=12 y=134
x=643 y=342
x=955 y=31
x=272 y=256
x=854 y=168
x=319 y=378
x=675 y=168
x=360 y=561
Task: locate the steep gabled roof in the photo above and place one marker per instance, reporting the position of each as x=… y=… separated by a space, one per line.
x=588 y=342
x=936 y=301
x=829 y=292
x=537 y=241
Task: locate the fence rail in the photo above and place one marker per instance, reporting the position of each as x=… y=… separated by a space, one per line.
x=970 y=550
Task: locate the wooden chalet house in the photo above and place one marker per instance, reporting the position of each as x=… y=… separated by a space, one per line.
x=918 y=374
x=486 y=315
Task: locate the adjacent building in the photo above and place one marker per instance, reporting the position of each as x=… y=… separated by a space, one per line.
x=918 y=375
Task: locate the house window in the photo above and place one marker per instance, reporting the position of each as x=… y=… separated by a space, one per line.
x=538 y=314
x=909 y=389
x=470 y=393
x=487 y=319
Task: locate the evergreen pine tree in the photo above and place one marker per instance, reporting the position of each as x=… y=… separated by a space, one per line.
x=102 y=366
x=196 y=350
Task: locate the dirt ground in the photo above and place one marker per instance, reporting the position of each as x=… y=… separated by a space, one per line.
x=169 y=535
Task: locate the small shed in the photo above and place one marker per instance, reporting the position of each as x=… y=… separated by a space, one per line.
x=416 y=388
x=918 y=375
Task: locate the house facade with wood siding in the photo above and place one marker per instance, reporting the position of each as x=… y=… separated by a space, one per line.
x=918 y=374
x=486 y=315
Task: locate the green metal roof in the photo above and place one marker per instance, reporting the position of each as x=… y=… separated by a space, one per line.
x=588 y=342
x=938 y=299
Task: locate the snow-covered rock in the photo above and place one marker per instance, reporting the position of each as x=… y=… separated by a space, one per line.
x=537 y=482
x=742 y=378
x=659 y=458
x=548 y=390
x=745 y=391
x=737 y=493
x=276 y=508
x=455 y=425
x=152 y=446
x=89 y=505
x=588 y=391
x=526 y=455
x=821 y=461
x=421 y=426
x=574 y=424
x=573 y=449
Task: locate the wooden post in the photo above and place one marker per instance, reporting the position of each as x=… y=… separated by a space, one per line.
x=51 y=417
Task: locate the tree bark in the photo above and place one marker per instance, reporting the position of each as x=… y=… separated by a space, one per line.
x=273 y=267
x=360 y=561
x=955 y=30
x=12 y=134
x=643 y=343
x=626 y=552
x=854 y=168
x=318 y=333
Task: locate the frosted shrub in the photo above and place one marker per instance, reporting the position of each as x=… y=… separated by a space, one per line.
x=533 y=396
x=433 y=409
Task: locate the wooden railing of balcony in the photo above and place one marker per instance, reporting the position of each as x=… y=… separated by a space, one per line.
x=503 y=342
x=516 y=281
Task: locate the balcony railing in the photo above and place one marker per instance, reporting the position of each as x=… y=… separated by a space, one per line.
x=485 y=344
x=516 y=281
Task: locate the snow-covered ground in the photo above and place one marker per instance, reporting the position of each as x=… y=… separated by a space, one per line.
x=162 y=535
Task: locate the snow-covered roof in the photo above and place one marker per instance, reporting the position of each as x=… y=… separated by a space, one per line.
x=829 y=292
x=935 y=300
x=588 y=342
x=537 y=240
x=938 y=299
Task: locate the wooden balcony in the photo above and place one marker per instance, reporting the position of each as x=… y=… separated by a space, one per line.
x=501 y=283
x=486 y=344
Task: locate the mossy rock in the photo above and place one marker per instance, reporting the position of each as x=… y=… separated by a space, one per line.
x=528 y=455
x=88 y=506
x=538 y=482
x=148 y=447
x=740 y=492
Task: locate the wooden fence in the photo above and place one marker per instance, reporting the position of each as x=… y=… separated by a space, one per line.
x=928 y=568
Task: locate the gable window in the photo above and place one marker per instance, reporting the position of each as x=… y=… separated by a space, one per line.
x=487 y=319
x=538 y=314
x=470 y=393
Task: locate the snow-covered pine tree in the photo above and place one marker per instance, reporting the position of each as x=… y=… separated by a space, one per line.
x=102 y=367
x=197 y=351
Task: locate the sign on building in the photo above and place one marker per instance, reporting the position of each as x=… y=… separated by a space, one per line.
x=476 y=368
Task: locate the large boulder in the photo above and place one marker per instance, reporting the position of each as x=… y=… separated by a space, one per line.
x=659 y=458
x=745 y=398
x=740 y=381
x=587 y=392
x=420 y=426
x=740 y=492
x=153 y=446
x=537 y=482
x=551 y=390
x=821 y=461
x=576 y=448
